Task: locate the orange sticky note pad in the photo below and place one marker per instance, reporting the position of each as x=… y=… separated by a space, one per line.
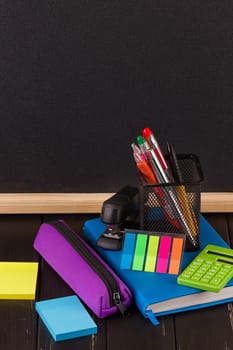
x=18 y=280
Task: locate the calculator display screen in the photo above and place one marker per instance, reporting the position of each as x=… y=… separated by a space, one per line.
x=221 y=255
x=226 y=262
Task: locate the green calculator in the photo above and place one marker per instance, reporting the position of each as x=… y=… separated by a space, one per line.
x=210 y=270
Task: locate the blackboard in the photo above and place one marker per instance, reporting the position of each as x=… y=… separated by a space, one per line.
x=81 y=79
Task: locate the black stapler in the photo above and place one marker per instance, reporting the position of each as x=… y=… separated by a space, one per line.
x=117 y=212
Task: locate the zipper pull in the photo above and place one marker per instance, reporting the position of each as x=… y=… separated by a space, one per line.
x=117 y=301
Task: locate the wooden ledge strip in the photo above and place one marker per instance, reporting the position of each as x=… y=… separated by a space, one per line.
x=217 y=202
x=68 y=203
x=51 y=203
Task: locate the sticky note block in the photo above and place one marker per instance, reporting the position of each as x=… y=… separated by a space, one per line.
x=151 y=253
x=66 y=318
x=18 y=280
x=128 y=251
x=139 y=253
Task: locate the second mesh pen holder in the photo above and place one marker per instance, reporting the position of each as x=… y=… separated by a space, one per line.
x=174 y=208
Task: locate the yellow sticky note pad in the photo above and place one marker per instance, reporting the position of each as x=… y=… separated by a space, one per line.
x=18 y=280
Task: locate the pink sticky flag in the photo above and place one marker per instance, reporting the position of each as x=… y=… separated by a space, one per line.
x=163 y=255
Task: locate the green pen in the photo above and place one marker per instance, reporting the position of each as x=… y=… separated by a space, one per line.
x=153 y=159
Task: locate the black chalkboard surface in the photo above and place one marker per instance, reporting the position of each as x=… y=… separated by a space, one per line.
x=80 y=80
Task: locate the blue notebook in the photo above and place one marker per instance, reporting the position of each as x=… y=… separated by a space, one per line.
x=158 y=294
x=66 y=318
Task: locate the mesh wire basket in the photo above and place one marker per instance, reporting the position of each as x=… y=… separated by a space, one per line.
x=174 y=208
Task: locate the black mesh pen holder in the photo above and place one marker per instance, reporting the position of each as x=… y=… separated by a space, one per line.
x=172 y=207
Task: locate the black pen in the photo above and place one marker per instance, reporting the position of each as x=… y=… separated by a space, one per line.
x=184 y=200
x=175 y=168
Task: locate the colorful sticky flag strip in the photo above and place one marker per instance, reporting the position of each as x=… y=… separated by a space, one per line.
x=152 y=252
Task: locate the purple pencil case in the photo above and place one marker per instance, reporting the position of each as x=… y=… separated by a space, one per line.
x=78 y=264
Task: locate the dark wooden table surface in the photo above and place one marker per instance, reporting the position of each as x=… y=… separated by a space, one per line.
x=21 y=328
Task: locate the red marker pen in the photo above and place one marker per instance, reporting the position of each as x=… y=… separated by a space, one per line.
x=150 y=138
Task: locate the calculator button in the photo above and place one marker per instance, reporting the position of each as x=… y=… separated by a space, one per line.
x=205 y=279
x=217 y=264
x=203 y=270
x=193 y=268
x=195 y=278
x=209 y=274
x=215 y=281
x=226 y=268
x=221 y=273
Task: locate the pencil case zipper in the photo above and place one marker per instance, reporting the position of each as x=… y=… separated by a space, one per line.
x=103 y=273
